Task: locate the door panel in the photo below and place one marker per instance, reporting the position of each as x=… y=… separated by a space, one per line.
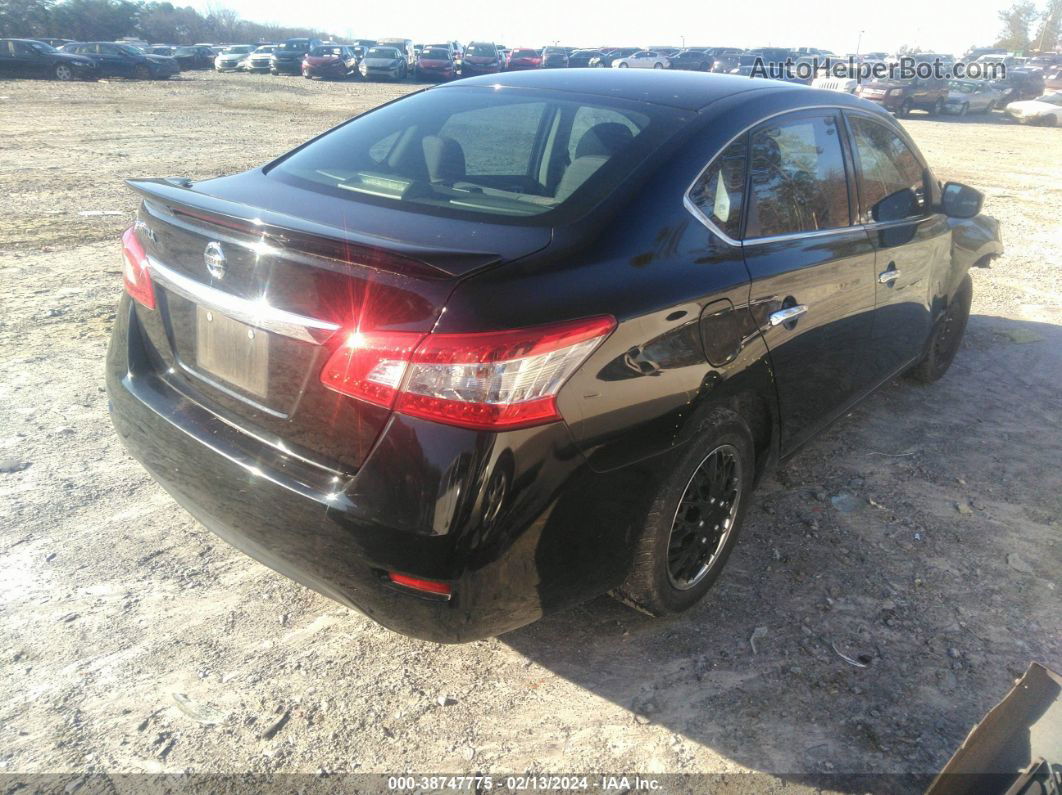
x=819 y=358
x=893 y=187
x=806 y=258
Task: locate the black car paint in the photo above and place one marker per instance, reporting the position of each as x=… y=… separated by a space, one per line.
x=529 y=521
x=287 y=57
x=117 y=60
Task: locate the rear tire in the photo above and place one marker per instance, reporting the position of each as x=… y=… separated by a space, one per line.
x=142 y=72
x=63 y=73
x=658 y=66
x=905 y=108
x=694 y=520
x=623 y=66
x=946 y=337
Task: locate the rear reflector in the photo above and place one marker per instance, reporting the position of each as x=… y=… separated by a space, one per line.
x=417 y=584
x=135 y=270
x=485 y=381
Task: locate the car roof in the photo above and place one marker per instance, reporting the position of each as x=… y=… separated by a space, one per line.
x=687 y=90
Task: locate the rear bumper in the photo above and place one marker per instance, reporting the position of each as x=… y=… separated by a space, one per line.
x=509 y=520
x=286 y=67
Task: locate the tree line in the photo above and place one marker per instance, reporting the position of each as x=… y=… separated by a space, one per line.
x=1027 y=27
x=109 y=20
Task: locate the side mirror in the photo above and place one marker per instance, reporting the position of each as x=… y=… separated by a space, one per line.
x=961 y=201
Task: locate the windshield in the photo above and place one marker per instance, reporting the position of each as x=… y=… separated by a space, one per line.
x=554 y=51
x=483 y=153
x=268 y=49
x=40 y=46
x=525 y=53
x=382 y=52
x=237 y=50
x=319 y=52
x=480 y=49
x=129 y=50
x=296 y=44
x=186 y=51
x=436 y=55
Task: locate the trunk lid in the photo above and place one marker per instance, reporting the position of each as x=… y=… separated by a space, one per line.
x=257 y=283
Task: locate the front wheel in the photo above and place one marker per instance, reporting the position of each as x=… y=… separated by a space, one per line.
x=905 y=108
x=694 y=520
x=658 y=66
x=946 y=337
x=623 y=65
x=142 y=73
x=64 y=73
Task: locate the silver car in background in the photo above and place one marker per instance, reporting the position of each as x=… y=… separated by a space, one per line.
x=231 y=58
x=260 y=59
x=971 y=96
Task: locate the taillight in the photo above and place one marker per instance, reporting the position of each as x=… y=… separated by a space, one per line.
x=487 y=381
x=135 y=270
x=418 y=584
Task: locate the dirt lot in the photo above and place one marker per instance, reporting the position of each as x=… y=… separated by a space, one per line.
x=923 y=531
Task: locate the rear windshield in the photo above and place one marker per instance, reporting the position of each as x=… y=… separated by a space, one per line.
x=480 y=49
x=436 y=55
x=296 y=44
x=484 y=153
x=382 y=52
x=525 y=53
x=320 y=52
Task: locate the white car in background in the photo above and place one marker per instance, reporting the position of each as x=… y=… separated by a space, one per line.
x=846 y=85
x=1042 y=110
x=643 y=59
x=231 y=58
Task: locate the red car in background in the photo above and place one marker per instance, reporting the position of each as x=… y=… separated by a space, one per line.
x=330 y=60
x=435 y=63
x=481 y=58
x=524 y=58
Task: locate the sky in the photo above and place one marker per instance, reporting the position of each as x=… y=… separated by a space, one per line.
x=949 y=26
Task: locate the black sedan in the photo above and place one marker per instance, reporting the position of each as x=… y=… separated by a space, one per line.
x=123 y=60
x=507 y=344
x=195 y=57
x=693 y=60
x=581 y=58
x=32 y=58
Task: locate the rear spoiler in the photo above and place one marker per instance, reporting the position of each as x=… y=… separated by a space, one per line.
x=180 y=198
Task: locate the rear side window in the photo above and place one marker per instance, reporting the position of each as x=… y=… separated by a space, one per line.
x=890 y=178
x=797 y=178
x=480 y=152
x=720 y=191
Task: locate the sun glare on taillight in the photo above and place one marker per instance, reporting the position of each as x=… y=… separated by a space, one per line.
x=135 y=270
x=486 y=380
x=419 y=584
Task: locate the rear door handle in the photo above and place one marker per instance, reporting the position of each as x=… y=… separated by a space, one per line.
x=787 y=315
x=888 y=277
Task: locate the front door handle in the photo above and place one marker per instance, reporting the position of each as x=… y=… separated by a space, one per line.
x=787 y=315
x=888 y=277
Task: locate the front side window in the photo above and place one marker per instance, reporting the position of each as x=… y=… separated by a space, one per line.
x=797 y=178
x=719 y=192
x=890 y=177
x=482 y=153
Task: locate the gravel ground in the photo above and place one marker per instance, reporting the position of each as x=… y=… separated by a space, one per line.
x=921 y=533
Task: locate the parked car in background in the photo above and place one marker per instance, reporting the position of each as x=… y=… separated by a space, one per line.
x=195 y=56
x=404 y=46
x=642 y=59
x=495 y=366
x=524 y=58
x=727 y=62
x=608 y=56
x=162 y=49
x=330 y=61
x=974 y=53
x=903 y=96
x=33 y=58
x=1053 y=79
x=1046 y=110
x=123 y=60
x=383 y=62
x=481 y=58
x=287 y=56
x=261 y=59
x=835 y=80
x=231 y=58
x=554 y=58
x=971 y=96
x=693 y=60
x=1021 y=84
x=580 y=59
x=435 y=63
x=1046 y=62
x=361 y=46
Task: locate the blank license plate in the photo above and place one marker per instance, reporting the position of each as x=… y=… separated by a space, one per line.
x=233 y=351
